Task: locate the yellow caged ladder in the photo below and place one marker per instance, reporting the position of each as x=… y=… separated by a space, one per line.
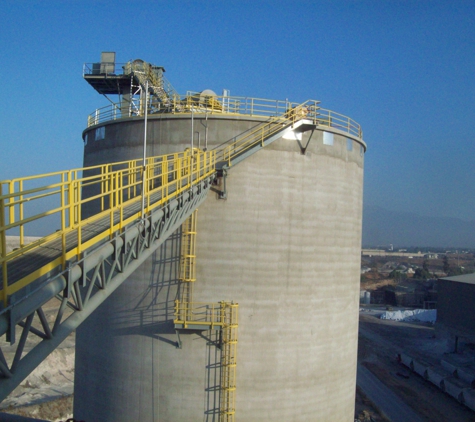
x=228 y=362
x=188 y=258
x=222 y=316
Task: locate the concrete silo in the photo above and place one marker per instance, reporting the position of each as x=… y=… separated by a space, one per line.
x=284 y=244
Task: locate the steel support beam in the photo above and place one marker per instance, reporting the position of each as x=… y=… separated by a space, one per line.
x=86 y=284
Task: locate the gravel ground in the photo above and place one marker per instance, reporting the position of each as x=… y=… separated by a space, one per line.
x=58 y=410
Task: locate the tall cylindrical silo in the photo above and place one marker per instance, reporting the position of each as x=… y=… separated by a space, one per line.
x=284 y=244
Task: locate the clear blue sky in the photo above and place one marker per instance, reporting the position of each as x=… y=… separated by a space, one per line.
x=403 y=69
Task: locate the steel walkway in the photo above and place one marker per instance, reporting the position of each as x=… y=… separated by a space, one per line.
x=90 y=256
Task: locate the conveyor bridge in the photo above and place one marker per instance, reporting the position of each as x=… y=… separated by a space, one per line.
x=132 y=208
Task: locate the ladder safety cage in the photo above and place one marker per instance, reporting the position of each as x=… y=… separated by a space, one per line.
x=222 y=316
x=229 y=362
x=187 y=266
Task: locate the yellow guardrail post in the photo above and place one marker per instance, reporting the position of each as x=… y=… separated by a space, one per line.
x=222 y=312
x=3 y=248
x=133 y=179
x=120 y=194
x=72 y=211
x=77 y=199
x=162 y=177
x=11 y=208
x=63 y=220
x=21 y=214
x=112 y=202
x=189 y=164
x=103 y=179
x=177 y=310
x=77 y=207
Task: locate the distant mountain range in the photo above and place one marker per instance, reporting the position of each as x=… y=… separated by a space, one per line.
x=384 y=227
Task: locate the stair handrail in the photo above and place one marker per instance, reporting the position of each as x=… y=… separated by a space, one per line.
x=307 y=110
x=118 y=185
x=159 y=84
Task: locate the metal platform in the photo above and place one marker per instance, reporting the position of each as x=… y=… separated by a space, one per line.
x=109 y=84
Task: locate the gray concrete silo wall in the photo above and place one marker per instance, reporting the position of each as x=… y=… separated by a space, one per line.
x=285 y=245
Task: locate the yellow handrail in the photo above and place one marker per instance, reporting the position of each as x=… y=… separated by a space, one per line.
x=199 y=313
x=229 y=362
x=106 y=189
x=307 y=110
x=227 y=105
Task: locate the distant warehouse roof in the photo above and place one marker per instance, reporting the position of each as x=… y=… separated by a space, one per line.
x=456 y=301
x=466 y=278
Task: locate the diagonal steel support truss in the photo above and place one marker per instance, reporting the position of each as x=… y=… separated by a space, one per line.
x=84 y=285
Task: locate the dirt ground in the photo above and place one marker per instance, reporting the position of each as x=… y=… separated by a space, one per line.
x=365 y=410
x=56 y=410
x=47 y=392
x=379 y=343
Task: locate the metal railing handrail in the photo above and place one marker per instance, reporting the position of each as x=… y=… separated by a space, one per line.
x=116 y=69
x=111 y=187
x=200 y=313
x=257 y=136
x=226 y=105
